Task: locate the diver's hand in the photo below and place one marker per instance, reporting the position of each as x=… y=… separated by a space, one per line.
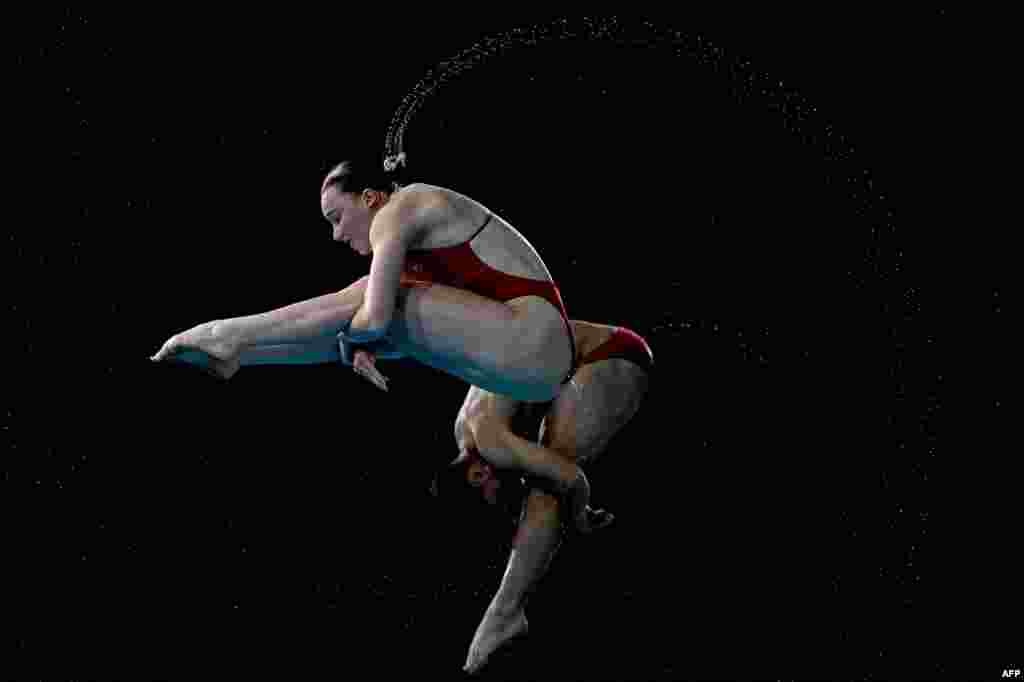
x=594 y=519
x=364 y=364
x=586 y=518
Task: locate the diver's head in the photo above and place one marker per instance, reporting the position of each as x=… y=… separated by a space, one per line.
x=351 y=195
x=468 y=475
x=469 y=479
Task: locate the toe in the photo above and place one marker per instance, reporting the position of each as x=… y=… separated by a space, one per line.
x=164 y=351
x=473 y=661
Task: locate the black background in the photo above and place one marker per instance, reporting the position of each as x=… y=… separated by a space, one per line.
x=789 y=500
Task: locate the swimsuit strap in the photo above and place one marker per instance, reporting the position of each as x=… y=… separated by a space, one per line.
x=489 y=215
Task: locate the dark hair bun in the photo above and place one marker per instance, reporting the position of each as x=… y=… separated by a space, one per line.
x=394 y=162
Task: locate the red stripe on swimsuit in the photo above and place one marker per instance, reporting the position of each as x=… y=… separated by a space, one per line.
x=624 y=344
x=458 y=266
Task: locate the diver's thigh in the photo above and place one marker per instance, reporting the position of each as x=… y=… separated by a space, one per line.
x=512 y=350
x=605 y=396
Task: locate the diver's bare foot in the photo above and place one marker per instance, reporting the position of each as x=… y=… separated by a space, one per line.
x=223 y=354
x=495 y=629
x=219 y=369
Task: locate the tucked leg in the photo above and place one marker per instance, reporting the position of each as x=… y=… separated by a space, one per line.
x=489 y=425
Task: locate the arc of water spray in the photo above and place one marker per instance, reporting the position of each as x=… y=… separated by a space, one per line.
x=604 y=28
x=797 y=114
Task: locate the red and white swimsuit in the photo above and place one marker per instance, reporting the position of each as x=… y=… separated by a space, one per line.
x=458 y=266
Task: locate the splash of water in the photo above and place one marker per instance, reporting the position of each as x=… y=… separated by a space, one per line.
x=610 y=30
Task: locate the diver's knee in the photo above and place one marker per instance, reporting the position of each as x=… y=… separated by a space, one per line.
x=541 y=505
x=463 y=433
x=359 y=284
x=488 y=433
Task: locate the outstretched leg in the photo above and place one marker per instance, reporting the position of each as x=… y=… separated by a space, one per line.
x=316 y=320
x=580 y=425
x=322 y=352
x=535 y=544
x=519 y=348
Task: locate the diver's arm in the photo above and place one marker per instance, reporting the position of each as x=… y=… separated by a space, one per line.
x=381 y=349
x=395 y=228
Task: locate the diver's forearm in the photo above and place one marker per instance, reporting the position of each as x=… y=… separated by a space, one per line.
x=382 y=349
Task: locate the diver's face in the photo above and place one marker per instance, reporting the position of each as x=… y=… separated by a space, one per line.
x=350 y=216
x=481 y=475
